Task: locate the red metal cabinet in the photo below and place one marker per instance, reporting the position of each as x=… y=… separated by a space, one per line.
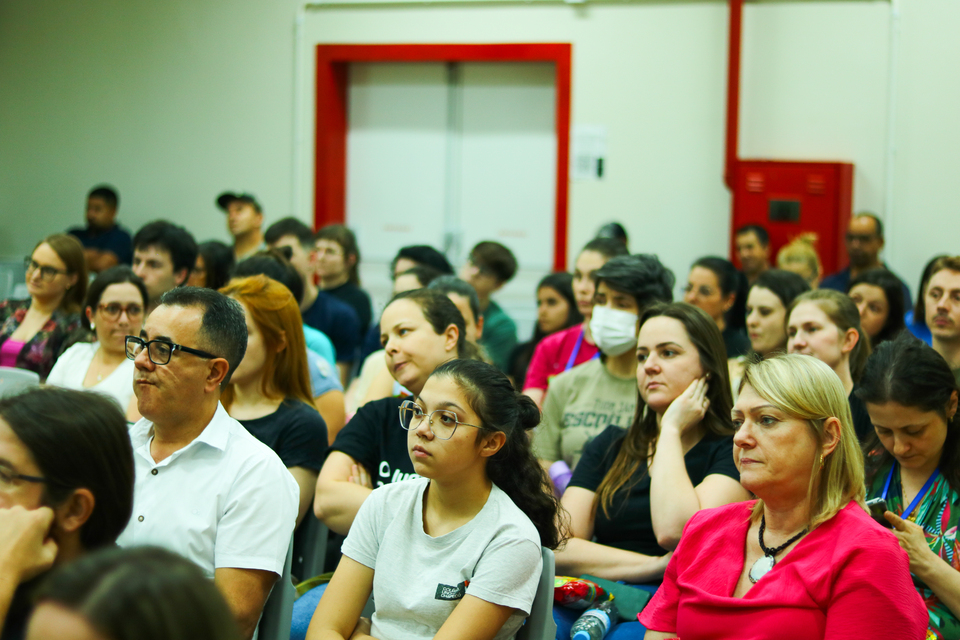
x=789 y=198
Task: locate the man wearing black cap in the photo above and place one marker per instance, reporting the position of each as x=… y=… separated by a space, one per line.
x=244 y=221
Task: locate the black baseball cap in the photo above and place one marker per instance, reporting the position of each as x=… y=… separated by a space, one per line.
x=227 y=197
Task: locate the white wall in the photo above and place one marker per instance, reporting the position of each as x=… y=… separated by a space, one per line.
x=175 y=101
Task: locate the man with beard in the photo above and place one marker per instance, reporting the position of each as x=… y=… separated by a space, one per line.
x=864 y=243
x=105 y=243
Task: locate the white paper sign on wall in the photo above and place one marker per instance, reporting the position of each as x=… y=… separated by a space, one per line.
x=588 y=152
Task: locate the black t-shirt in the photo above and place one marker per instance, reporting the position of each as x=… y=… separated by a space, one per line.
x=736 y=342
x=358 y=299
x=630 y=525
x=375 y=439
x=338 y=321
x=295 y=431
x=116 y=240
x=861 y=419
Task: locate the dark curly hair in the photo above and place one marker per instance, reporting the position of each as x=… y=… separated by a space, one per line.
x=514 y=468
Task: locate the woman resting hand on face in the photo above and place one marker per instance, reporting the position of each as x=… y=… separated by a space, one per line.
x=805 y=561
x=455 y=553
x=114 y=309
x=914 y=467
x=635 y=489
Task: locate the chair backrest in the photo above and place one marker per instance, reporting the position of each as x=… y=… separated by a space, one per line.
x=13 y=380
x=309 y=548
x=540 y=624
x=277 y=614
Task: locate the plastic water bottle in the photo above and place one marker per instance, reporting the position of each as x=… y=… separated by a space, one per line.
x=595 y=623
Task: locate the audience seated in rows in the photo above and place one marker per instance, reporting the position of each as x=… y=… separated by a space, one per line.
x=913 y=465
x=800 y=256
x=767 y=302
x=583 y=402
x=556 y=311
x=34 y=332
x=114 y=309
x=105 y=243
x=815 y=565
x=324 y=312
x=163 y=256
x=753 y=251
x=715 y=286
x=942 y=300
x=205 y=487
x=146 y=593
x=825 y=324
x=878 y=295
x=570 y=347
x=66 y=488
x=864 y=243
x=461 y=545
x=270 y=392
x=489 y=266
x=634 y=489
x=244 y=222
x=213 y=266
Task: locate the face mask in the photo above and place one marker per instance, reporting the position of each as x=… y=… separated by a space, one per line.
x=614 y=331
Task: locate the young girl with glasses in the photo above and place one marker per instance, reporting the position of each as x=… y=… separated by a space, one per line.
x=113 y=310
x=457 y=552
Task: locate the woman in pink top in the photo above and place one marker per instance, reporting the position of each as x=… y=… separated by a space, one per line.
x=565 y=349
x=804 y=561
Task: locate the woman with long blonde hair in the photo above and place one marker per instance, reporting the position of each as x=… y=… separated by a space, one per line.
x=270 y=392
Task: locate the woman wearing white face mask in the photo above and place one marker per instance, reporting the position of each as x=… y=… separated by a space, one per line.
x=588 y=398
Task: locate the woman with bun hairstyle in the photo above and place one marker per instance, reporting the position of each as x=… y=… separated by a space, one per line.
x=420 y=330
x=457 y=552
x=716 y=286
x=825 y=324
x=800 y=256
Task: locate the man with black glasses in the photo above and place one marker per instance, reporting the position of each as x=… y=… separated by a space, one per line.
x=205 y=488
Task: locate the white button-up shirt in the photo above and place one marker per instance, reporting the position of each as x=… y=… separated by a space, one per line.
x=224 y=500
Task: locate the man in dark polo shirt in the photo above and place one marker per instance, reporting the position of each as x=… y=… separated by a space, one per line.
x=105 y=243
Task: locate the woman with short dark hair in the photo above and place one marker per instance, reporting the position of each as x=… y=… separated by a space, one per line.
x=115 y=308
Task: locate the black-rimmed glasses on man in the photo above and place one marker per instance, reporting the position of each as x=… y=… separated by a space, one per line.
x=160 y=351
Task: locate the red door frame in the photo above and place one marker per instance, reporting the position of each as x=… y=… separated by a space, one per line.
x=331 y=141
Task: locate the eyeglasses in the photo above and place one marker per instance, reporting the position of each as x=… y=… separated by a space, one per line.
x=329 y=251
x=411 y=415
x=46 y=273
x=8 y=476
x=113 y=310
x=159 y=351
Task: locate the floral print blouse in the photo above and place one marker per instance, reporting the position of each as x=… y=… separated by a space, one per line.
x=42 y=350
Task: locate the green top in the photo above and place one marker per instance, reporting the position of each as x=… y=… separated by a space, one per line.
x=938 y=514
x=499 y=335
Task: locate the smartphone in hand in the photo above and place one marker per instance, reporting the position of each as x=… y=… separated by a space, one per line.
x=877 y=508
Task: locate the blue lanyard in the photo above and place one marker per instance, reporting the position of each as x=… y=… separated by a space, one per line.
x=576 y=352
x=919 y=496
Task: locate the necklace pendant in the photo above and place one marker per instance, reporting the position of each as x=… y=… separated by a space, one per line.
x=760 y=568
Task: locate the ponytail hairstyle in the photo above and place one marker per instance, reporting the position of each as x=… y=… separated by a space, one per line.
x=730 y=281
x=844 y=313
x=907 y=371
x=514 y=468
x=440 y=312
x=893 y=292
x=639 y=444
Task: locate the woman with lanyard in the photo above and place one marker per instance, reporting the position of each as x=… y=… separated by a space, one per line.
x=587 y=399
x=914 y=460
x=565 y=349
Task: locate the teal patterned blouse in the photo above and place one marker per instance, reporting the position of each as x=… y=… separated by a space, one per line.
x=938 y=514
